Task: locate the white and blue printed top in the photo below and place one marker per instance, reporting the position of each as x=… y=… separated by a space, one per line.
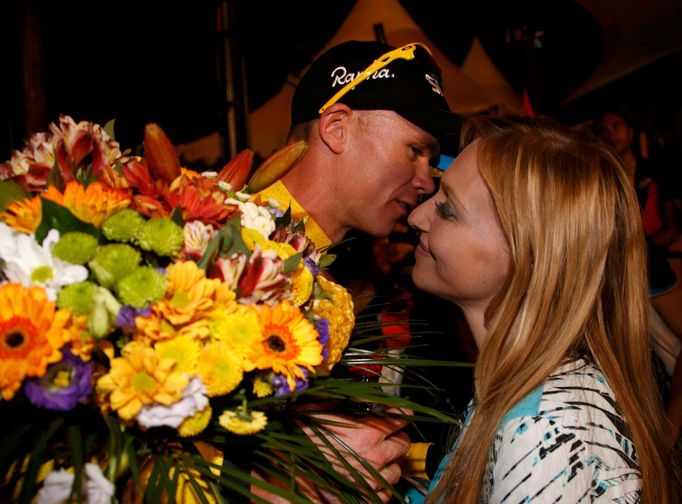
x=565 y=442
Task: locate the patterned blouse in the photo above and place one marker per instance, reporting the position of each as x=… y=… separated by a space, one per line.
x=565 y=442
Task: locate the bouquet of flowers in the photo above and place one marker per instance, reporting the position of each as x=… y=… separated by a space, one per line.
x=157 y=326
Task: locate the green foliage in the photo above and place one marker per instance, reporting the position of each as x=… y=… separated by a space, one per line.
x=10 y=191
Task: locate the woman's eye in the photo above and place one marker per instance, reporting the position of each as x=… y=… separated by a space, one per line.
x=445 y=210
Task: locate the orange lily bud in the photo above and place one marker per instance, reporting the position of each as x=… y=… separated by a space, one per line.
x=274 y=167
x=161 y=156
x=237 y=169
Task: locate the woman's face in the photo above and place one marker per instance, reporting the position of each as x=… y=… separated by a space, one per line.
x=462 y=254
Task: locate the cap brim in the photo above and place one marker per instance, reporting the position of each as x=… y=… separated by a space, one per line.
x=438 y=122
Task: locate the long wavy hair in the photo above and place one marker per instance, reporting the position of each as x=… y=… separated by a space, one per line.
x=577 y=287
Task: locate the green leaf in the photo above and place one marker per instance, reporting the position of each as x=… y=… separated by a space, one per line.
x=285 y=219
x=290 y=263
x=77 y=458
x=28 y=489
x=326 y=260
x=109 y=128
x=11 y=191
x=176 y=216
x=57 y=217
x=129 y=450
x=55 y=177
x=236 y=244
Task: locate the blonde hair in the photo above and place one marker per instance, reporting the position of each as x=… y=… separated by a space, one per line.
x=577 y=287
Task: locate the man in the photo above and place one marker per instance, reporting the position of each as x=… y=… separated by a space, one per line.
x=372 y=116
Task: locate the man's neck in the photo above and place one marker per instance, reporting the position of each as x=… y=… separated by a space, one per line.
x=315 y=198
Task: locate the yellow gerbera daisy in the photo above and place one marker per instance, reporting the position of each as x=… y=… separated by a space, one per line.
x=23 y=215
x=220 y=368
x=190 y=300
x=289 y=342
x=243 y=422
x=31 y=334
x=93 y=204
x=339 y=312
x=184 y=350
x=138 y=378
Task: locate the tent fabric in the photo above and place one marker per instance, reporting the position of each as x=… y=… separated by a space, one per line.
x=635 y=33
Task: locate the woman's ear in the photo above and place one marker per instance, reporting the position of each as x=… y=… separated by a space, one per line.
x=333 y=126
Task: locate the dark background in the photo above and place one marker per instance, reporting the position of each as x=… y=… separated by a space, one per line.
x=151 y=61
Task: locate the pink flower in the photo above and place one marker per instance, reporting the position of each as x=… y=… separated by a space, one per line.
x=197 y=237
x=263 y=279
x=230 y=269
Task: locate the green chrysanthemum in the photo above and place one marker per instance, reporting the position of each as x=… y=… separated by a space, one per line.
x=143 y=286
x=113 y=262
x=75 y=247
x=123 y=226
x=77 y=297
x=161 y=236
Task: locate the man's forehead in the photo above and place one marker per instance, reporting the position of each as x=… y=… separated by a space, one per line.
x=612 y=119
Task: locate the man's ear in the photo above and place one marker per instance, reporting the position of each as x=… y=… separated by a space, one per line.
x=333 y=126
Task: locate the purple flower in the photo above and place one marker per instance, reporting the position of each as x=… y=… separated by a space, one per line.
x=279 y=382
x=312 y=266
x=65 y=384
x=322 y=327
x=126 y=317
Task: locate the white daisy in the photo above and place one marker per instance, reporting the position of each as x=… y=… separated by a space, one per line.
x=31 y=264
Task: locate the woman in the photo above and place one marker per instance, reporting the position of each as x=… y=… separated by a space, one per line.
x=536 y=234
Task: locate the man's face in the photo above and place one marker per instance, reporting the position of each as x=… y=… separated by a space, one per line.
x=386 y=170
x=617 y=133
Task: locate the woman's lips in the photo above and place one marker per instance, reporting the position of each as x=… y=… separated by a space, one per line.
x=422 y=249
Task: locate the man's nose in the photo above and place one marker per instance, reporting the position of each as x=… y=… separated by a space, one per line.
x=422 y=180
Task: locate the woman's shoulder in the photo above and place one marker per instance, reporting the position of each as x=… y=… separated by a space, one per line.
x=574 y=406
x=575 y=390
x=568 y=437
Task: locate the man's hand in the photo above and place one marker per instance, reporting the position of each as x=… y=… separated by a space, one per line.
x=378 y=440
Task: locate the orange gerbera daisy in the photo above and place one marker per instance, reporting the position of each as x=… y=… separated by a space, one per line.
x=93 y=204
x=23 y=215
x=289 y=343
x=31 y=334
x=190 y=299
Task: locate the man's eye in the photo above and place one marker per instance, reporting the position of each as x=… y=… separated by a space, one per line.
x=445 y=210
